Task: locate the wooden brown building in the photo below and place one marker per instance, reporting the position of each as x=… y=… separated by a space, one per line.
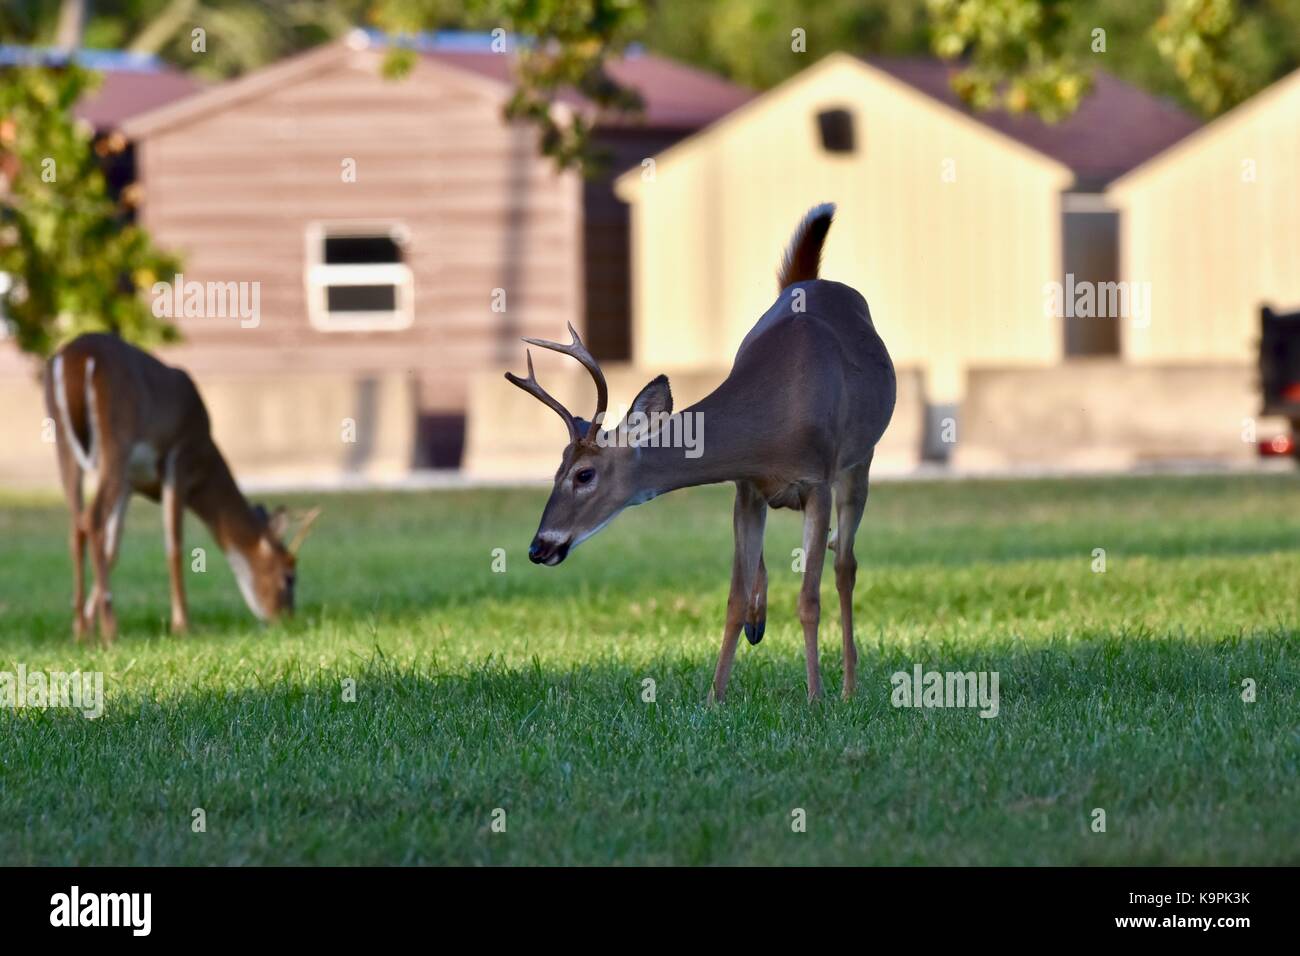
x=399 y=227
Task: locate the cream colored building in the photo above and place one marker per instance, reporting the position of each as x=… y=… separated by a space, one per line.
x=951 y=224
x=1213 y=226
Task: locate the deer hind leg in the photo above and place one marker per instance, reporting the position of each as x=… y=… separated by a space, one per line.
x=106 y=517
x=749 y=519
x=81 y=622
x=850 y=501
x=816 y=525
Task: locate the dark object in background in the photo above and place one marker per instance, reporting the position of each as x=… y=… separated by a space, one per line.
x=1279 y=374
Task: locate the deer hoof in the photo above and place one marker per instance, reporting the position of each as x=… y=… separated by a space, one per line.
x=107 y=628
x=754 y=631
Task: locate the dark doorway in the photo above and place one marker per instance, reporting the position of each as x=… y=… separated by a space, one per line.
x=1091 y=255
x=607 y=279
x=439 y=441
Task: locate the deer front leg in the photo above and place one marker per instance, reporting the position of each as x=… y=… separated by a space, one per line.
x=749 y=519
x=70 y=475
x=173 y=509
x=816 y=525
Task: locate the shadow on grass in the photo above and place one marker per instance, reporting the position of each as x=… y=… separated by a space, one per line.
x=408 y=761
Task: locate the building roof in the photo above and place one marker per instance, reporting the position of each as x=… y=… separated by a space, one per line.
x=131 y=83
x=1116 y=128
x=675 y=96
x=122 y=95
x=1275 y=96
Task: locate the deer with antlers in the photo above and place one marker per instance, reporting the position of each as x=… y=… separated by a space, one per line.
x=797 y=420
x=141 y=426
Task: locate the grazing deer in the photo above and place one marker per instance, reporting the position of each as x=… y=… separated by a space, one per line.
x=808 y=397
x=141 y=426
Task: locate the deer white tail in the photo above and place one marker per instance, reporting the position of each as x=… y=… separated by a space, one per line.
x=803 y=256
x=84 y=457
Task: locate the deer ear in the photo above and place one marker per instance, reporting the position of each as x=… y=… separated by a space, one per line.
x=655 y=399
x=304 y=527
x=279 y=522
x=648 y=411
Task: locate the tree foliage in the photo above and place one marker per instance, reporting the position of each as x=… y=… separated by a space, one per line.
x=73 y=258
x=1034 y=55
x=1017 y=54
x=1197 y=38
x=558 y=45
x=1038 y=54
x=753 y=41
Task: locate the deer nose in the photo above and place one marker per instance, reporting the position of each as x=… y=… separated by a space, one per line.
x=547 y=551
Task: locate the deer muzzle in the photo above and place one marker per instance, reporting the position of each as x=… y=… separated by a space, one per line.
x=548 y=550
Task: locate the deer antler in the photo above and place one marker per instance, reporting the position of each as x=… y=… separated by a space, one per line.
x=531 y=386
x=577 y=350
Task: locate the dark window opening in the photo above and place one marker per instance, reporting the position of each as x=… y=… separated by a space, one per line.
x=837 y=133
x=361 y=250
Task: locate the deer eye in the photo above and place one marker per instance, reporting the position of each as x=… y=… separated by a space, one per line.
x=584 y=476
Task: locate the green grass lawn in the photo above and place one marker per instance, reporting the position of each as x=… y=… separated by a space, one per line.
x=522 y=690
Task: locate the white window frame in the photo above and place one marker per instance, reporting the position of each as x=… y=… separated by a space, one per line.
x=320 y=276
